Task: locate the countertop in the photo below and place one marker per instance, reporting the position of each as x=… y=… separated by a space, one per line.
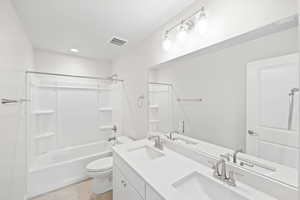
x=164 y=171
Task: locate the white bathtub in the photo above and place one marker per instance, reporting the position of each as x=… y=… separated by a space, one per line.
x=63 y=167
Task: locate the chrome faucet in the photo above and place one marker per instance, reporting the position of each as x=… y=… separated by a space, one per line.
x=229 y=179
x=114 y=138
x=111 y=139
x=157 y=142
x=217 y=174
x=235 y=155
x=226 y=156
x=114 y=128
x=170 y=136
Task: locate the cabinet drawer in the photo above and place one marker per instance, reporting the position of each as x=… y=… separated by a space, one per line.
x=151 y=194
x=133 y=178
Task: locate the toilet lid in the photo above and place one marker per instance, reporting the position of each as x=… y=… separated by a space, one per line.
x=100 y=165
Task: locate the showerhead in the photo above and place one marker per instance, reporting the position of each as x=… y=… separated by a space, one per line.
x=113 y=78
x=293 y=91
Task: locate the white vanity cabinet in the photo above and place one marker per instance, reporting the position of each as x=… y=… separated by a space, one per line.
x=151 y=194
x=127 y=185
x=123 y=189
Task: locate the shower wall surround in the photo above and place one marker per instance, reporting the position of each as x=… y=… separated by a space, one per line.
x=160 y=108
x=219 y=78
x=69 y=122
x=67 y=112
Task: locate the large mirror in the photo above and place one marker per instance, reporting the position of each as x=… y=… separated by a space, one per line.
x=240 y=96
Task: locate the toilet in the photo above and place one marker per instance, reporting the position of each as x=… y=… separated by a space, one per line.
x=101 y=171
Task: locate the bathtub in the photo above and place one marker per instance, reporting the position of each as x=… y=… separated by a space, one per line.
x=63 y=167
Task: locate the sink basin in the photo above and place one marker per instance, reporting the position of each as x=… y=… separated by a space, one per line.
x=197 y=186
x=145 y=153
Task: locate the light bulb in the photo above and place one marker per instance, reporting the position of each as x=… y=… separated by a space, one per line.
x=74 y=50
x=182 y=34
x=202 y=24
x=167 y=44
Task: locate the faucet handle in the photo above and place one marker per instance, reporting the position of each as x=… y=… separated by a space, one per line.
x=151 y=137
x=211 y=163
x=226 y=156
x=231 y=178
x=216 y=170
x=114 y=128
x=111 y=139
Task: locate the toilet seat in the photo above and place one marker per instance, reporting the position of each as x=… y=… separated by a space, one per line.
x=101 y=165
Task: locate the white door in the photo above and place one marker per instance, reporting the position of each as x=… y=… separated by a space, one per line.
x=269 y=86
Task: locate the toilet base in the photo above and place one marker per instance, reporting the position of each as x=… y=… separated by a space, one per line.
x=101 y=185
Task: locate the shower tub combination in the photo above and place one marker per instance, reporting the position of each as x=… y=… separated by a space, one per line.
x=64 y=167
x=69 y=120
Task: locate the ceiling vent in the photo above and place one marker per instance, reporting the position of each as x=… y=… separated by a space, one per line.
x=118 y=42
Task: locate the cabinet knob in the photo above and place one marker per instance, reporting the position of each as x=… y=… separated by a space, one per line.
x=251 y=132
x=123 y=183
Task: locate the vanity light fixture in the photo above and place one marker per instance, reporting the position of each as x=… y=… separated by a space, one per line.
x=167 y=43
x=198 y=19
x=182 y=33
x=74 y=50
x=201 y=21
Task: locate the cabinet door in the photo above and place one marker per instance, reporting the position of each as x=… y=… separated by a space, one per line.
x=116 y=185
x=151 y=194
x=123 y=189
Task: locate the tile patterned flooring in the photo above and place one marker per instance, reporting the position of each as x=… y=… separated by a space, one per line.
x=78 y=191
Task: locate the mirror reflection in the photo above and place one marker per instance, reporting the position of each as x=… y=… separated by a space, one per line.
x=238 y=101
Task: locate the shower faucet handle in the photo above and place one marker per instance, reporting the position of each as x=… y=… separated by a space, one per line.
x=114 y=128
x=111 y=139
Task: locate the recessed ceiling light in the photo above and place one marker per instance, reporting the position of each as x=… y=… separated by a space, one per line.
x=74 y=50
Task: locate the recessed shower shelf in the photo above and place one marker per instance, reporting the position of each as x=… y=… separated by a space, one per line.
x=153 y=106
x=104 y=89
x=43 y=112
x=105 y=128
x=107 y=109
x=154 y=121
x=157 y=91
x=45 y=135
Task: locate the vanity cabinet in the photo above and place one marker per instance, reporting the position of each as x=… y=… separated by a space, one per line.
x=123 y=189
x=127 y=185
x=151 y=194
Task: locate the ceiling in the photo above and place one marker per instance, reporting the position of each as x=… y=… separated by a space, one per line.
x=89 y=25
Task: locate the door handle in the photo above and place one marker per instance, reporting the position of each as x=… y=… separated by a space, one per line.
x=252 y=133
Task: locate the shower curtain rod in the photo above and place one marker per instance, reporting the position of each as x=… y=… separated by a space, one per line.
x=75 y=76
x=159 y=83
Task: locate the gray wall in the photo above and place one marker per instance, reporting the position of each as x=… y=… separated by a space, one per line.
x=219 y=78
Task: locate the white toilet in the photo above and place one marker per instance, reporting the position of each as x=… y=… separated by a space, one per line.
x=101 y=171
